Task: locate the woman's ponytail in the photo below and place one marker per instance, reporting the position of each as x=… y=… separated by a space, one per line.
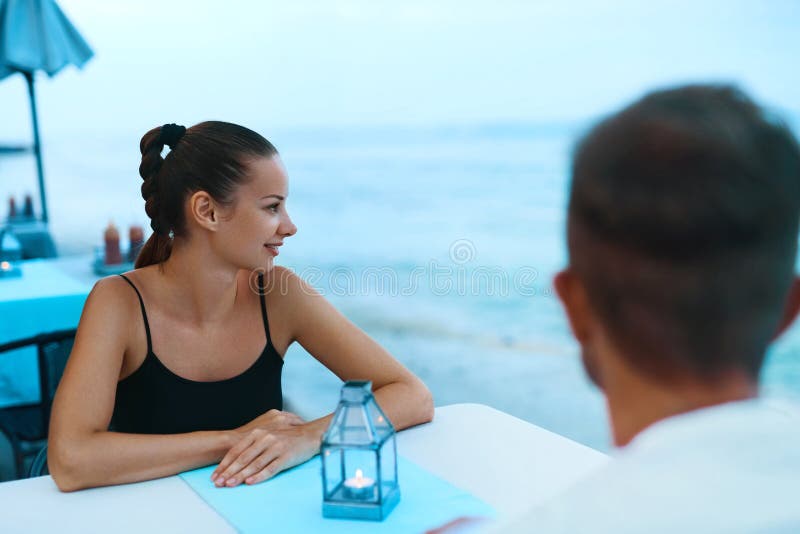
x=158 y=247
x=156 y=250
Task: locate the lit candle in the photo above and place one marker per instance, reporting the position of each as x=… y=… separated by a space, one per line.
x=8 y=270
x=359 y=487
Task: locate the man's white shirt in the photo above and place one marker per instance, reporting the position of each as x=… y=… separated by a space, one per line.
x=731 y=468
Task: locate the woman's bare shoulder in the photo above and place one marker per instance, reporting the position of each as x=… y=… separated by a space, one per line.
x=111 y=287
x=113 y=297
x=283 y=283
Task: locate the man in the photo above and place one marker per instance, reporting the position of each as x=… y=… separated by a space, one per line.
x=682 y=235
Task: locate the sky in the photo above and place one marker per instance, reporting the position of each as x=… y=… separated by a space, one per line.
x=305 y=63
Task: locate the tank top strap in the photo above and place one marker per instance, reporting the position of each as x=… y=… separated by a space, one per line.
x=144 y=314
x=261 y=292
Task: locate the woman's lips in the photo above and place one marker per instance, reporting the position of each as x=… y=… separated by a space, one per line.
x=273 y=249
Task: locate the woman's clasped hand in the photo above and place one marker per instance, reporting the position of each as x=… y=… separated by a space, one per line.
x=272 y=442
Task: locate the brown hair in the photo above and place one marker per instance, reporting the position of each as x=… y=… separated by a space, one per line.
x=683 y=223
x=211 y=156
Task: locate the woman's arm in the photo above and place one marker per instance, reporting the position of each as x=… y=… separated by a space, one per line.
x=351 y=354
x=82 y=452
x=347 y=351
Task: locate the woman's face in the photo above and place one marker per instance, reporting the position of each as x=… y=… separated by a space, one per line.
x=255 y=226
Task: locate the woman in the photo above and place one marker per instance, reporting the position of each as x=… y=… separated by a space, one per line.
x=217 y=203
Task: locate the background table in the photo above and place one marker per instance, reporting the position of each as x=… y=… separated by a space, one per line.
x=505 y=461
x=47 y=297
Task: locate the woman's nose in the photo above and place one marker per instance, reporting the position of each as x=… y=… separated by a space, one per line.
x=287 y=227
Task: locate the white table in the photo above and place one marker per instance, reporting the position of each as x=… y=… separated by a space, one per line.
x=470 y=445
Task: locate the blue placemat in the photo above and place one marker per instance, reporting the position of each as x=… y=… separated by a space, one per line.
x=292 y=502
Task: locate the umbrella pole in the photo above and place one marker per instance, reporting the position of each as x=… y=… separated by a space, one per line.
x=37 y=145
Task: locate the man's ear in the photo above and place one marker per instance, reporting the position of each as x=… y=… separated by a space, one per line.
x=576 y=305
x=791 y=308
x=204 y=210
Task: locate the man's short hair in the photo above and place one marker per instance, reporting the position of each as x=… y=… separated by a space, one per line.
x=683 y=223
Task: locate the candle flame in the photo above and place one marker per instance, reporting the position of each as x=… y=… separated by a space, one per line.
x=359 y=474
x=5 y=265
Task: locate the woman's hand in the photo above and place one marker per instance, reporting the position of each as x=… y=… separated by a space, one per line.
x=270 y=444
x=272 y=420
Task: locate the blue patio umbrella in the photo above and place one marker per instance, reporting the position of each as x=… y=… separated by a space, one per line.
x=35 y=35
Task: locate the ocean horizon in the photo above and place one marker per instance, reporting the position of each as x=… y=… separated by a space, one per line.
x=439 y=241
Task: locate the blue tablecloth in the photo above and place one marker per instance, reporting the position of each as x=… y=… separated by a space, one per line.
x=292 y=502
x=42 y=300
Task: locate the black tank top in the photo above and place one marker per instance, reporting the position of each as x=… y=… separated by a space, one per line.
x=154 y=400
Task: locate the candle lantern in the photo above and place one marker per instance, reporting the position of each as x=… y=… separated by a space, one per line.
x=359 y=458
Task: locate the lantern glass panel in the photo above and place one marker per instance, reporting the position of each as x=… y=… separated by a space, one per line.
x=333 y=460
x=381 y=425
x=388 y=464
x=356 y=429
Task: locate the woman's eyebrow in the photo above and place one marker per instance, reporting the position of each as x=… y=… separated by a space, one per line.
x=276 y=196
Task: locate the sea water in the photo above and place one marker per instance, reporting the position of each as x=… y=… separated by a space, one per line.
x=440 y=242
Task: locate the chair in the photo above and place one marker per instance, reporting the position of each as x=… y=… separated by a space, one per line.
x=25 y=426
x=39 y=464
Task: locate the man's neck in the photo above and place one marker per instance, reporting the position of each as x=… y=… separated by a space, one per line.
x=635 y=402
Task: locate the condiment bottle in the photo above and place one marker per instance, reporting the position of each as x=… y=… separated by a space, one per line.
x=136 y=238
x=111 y=238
